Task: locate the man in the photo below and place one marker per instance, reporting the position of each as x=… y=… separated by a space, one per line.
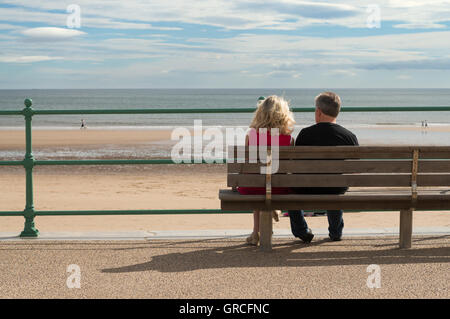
x=324 y=133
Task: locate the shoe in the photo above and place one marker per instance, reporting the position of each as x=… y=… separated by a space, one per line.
x=306 y=238
x=253 y=239
x=275 y=214
x=335 y=238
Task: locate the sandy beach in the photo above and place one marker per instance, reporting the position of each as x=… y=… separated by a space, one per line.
x=138 y=187
x=57 y=138
x=15 y=139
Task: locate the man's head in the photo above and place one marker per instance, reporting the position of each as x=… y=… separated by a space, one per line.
x=328 y=105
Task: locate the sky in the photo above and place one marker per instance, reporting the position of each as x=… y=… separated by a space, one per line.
x=224 y=44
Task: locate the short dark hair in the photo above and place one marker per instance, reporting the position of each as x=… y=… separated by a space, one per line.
x=329 y=103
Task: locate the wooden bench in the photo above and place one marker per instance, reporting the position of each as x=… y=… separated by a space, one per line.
x=380 y=178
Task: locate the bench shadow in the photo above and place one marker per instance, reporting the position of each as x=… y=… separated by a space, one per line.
x=289 y=254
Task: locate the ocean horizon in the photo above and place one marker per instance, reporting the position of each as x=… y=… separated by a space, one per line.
x=218 y=98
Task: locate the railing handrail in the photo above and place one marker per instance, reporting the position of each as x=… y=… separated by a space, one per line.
x=221 y=110
x=29 y=162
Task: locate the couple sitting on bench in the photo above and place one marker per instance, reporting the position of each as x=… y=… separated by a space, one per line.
x=274 y=113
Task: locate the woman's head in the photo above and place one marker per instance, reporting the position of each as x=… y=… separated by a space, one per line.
x=274 y=112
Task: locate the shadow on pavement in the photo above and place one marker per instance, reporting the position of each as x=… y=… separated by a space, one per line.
x=290 y=254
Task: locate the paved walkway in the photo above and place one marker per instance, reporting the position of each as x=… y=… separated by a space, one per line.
x=200 y=267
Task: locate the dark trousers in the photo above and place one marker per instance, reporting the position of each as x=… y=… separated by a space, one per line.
x=299 y=226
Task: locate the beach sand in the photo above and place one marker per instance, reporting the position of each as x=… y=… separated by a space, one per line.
x=15 y=139
x=44 y=138
x=138 y=187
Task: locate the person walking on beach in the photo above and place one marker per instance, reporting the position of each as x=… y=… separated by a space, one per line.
x=271 y=113
x=324 y=133
x=83 y=124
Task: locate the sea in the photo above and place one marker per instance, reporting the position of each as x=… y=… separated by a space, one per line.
x=365 y=125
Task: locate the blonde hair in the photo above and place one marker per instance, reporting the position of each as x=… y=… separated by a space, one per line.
x=274 y=112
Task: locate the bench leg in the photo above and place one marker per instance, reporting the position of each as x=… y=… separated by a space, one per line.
x=406 y=226
x=265 y=230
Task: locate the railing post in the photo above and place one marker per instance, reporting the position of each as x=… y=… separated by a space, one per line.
x=28 y=163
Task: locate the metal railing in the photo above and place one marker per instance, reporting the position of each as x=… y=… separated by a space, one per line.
x=29 y=161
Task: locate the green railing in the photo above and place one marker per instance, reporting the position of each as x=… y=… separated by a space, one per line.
x=29 y=162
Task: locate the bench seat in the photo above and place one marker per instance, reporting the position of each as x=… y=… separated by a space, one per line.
x=437 y=199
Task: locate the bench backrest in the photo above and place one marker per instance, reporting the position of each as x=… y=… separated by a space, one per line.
x=345 y=166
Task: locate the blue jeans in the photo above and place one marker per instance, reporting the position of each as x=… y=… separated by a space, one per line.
x=299 y=226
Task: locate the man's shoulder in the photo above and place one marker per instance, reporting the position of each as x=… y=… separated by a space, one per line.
x=324 y=133
x=343 y=129
x=348 y=134
x=308 y=129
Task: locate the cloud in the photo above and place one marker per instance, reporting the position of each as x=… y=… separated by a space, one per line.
x=283 y=74
x=226 y=14
x=344 y=72
x=27 y=59
x=139 y=38
x=420 y=26
x=5 y=26
x=306 y=9
x=51 y=33
x=427 y=64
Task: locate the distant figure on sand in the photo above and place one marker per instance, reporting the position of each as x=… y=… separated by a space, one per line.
x=83 y=124
x=271 y=113
x=324 y=133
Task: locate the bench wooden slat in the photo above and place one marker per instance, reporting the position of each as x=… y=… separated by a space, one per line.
x=434 y=166
x=351 y=152
x=344 y=166
x=327 y=166
x=438 y=193
x=393 y=200
x=337 y=180
x=352 y=205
